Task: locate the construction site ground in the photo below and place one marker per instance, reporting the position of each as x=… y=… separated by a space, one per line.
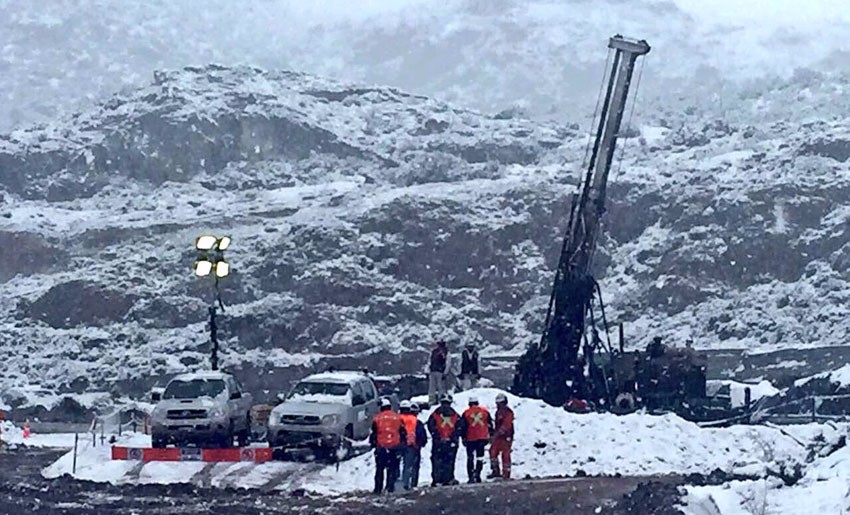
x=23 y=490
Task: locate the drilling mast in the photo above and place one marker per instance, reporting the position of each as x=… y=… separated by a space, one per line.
x=557 y=367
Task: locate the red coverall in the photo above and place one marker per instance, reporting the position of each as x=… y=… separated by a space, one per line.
x=502 y=439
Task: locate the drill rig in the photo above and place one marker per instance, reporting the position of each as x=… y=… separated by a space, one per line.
x=561 y=366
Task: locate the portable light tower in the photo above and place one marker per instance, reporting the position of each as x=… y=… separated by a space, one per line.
x=211 y=263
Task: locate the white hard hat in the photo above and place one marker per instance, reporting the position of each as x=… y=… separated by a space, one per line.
x=386 y=403
x=404 y=405
x=501 y=398
x=473 y=400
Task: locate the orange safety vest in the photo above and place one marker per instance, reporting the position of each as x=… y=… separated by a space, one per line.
x=445 y=425
x=477 y=423
x=388 y=424
x=409 y=420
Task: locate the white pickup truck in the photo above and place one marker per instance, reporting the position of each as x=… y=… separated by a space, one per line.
x=325 y=412
x=207 y=408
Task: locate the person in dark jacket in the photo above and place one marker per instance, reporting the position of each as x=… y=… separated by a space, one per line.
x=469 y=367
x=417 y=437
x=443 y=424
x=387 y=438
x=437 y=371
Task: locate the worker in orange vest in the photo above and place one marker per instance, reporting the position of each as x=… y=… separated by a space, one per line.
x=387 y=438
x=443 y=426
x=503 y=436
x=417 y=437
x=476 y=426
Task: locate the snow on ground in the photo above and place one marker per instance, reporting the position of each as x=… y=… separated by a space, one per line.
x=549 y=442
x=14 y=435
x=824 y=487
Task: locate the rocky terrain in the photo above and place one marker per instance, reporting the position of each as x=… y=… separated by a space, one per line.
x=368 y=221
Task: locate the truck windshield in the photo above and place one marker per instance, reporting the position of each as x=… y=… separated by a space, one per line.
x=309 y=389
x=193 y=389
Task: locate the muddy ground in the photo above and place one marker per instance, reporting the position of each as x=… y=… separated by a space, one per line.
x=23 y=490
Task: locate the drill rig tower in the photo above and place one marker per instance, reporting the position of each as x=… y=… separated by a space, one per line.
x=559 y=366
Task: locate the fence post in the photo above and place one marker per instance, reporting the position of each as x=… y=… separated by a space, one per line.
x=748 y=397
x=814 y=409
x=76 y=440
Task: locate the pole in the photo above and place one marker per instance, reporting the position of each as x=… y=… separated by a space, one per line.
x=213 y=339
x=76 y=440
x=622 y=338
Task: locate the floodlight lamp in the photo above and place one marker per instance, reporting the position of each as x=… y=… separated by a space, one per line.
x=223 y=243
x=222 y=269
x=205 y=242
x=203 y=268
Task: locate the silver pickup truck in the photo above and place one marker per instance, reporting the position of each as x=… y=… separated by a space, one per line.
x=325 y=411
x=208 y=408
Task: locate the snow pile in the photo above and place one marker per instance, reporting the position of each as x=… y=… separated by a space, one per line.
x=823 y=488
x=549 y=442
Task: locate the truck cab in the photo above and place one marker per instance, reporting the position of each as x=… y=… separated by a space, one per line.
x=208 y=408
x=326 y=410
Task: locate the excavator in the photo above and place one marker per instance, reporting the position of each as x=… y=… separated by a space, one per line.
x=574 y=359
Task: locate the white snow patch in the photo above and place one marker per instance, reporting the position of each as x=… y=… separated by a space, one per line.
x=549 y=442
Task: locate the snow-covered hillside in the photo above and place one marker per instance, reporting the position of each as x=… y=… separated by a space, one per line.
x=544 y=55
x=368 y=221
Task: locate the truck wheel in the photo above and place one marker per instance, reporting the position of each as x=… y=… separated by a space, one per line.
x=227 y=438
x=342 y=451
x=244 y=436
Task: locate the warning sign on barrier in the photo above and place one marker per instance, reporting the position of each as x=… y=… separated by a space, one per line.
x=255 y=454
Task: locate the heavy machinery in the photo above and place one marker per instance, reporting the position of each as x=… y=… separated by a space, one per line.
x=574 y=364
x=562 y=366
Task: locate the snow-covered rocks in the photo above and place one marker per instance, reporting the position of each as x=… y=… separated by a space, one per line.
x=368 y=222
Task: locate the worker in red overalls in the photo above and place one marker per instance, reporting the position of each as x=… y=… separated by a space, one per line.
x=388 y=438
x=443 y=425
x=476 y=427
x=503 y=436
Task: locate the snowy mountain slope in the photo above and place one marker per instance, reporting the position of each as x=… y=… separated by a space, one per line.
x=368 y=221
x=546 y=55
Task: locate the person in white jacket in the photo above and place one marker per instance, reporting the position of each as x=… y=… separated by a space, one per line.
x=451 y=373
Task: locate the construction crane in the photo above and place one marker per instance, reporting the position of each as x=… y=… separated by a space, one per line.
x=561 y=365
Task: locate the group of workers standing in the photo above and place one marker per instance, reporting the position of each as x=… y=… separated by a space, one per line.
x=399 y=437
x=443 y=374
